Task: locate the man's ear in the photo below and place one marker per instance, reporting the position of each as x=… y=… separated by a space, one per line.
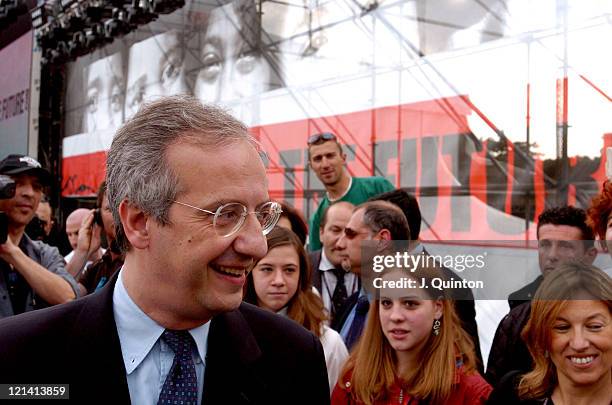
x=134 y=222
x=384 y=240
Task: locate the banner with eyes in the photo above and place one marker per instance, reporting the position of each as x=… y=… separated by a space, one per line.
x=465 y=106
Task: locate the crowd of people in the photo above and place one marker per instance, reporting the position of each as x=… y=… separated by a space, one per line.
x=187 y=283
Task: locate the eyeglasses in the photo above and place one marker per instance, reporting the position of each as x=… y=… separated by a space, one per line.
x=229 y=218
x=325 y=136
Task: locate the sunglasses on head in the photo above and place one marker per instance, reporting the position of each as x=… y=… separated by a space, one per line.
x=323 y=136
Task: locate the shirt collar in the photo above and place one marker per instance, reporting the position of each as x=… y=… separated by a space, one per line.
x=343 y=194
x=138 y=333
x=325 y=264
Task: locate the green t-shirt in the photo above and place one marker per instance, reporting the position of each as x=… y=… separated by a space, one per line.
x=361 y=190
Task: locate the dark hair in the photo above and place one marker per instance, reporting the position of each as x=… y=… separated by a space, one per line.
x=379 y=215
x=600 y=209
x=322 y=141
x=305 y=307
x=298 y=224
x=101 y=194
x=324 y=216
x=409 y=206
x=570 y=216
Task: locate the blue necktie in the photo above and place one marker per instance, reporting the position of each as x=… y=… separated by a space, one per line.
x=361 y=312
x=181 y=385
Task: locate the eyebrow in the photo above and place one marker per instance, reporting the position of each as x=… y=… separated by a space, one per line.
x=222 y=201
x=407 y=297
x=597 y=315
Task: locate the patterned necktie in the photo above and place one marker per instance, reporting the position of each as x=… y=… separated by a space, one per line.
x=181 y=385
x=361 y=313
x=339 y=295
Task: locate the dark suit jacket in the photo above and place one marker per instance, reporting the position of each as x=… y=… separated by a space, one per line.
x=525 y=294
x=253 y=357
x=315 y=261
x=508 y=350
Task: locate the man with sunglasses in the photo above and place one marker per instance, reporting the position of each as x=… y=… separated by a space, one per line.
x=188 y=193
x=328 y=161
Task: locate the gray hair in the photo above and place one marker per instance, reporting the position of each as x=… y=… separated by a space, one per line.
x=379 y=215
x=136 y=166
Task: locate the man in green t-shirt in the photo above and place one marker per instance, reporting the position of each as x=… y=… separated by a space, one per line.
x=327 y=160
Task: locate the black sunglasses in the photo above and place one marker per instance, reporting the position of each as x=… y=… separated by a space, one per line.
x=325 y=136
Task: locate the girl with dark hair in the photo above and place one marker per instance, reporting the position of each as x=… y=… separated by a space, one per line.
x=412 y=351
x=280 y=282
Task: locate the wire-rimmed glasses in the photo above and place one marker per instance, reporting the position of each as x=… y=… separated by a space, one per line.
x=229 y=218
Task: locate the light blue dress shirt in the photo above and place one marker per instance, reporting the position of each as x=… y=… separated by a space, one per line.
x=346 y=327
x=146 y=357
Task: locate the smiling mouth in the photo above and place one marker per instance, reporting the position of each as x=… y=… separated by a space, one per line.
x=582 y=360
x=236 y=272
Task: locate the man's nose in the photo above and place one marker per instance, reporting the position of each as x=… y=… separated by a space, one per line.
x=25 y=189
x=341 y=242
x=250 y=240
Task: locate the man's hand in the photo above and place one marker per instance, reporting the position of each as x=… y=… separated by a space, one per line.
x=88 y=241
x=50 y=287
x=9 y=250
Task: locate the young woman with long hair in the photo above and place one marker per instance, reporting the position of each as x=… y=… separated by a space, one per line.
x=413 y=350
x=569 y=337
x=280 y=282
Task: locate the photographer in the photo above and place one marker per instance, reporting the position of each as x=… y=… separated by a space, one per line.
x=83 y=231
x=94 y=277
x=32 y=273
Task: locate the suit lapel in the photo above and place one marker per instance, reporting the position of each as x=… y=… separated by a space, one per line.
x=95 y=342
x=231 y=363
x=315 y=259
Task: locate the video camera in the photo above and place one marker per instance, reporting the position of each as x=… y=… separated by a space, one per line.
x=7 y=191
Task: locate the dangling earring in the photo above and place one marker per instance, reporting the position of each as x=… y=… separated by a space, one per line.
x=436 y=327
x=546 y=355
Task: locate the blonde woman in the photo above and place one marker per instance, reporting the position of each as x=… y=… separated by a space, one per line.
x=569 y=336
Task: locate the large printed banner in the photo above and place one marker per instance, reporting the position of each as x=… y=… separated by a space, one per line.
x=466 y=104
x=15 y=67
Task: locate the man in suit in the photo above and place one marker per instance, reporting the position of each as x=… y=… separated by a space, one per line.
x=377 y=221
x=188 y=194
x=334 y=283
x=463 y=297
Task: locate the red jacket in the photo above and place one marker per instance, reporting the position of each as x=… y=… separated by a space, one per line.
x=469 y=389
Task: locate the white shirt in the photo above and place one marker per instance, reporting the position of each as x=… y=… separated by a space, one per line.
x=334 y=350
x=335 y=354
x=146 y=357
x=328 y=282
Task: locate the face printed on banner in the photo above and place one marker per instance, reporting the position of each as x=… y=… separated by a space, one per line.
x=156 y=69
x=232 y=71
x=105 y=87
